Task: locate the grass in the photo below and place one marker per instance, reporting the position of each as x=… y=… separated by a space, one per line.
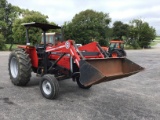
x=157 y=38
x=156 y=41
x=153 y=43
x=13 y=47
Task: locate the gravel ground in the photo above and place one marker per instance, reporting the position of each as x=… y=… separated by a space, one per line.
x=133 y=98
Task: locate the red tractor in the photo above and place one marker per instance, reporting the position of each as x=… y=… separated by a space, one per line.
x=115 y=49
x=87 y=64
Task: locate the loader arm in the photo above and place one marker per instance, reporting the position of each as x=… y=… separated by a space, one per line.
x=66 y=47
x=88 y=51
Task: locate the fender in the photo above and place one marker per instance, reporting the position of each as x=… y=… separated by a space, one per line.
x=31 y=50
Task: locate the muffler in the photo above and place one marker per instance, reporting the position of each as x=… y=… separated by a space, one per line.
x=94 y=71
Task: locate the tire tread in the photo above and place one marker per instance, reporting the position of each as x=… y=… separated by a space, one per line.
x=24 y=63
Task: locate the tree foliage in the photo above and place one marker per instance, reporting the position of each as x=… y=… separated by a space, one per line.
x=88 y=26
x=34 y=33
x=138 y=34
x=8 y=13
x=120 y=29
x=2 y=42
x=141 y=33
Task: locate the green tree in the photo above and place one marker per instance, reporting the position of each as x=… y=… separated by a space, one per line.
x=87 y=26
x=141 y=34
x=34 y=33
x=8 y=13
x=3 y=24
x=120 y=29
x=54 y=30
x=2 y=42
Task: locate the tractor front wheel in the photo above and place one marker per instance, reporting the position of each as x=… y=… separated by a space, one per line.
x=49 y=86
x=19 y=67
x=81 y=85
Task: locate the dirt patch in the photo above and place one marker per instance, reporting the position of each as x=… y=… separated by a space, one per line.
x=7 y=100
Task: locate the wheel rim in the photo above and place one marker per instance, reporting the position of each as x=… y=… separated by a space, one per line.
x=46 y=86
x=14 y=67
x=114 y=55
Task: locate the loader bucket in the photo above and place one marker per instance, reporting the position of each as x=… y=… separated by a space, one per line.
x=94 y=71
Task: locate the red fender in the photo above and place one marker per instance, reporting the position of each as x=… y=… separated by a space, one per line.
x=32 y=54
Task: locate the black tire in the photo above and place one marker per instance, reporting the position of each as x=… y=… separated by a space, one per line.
x=124 y=53
x=19 y=67
x=49 y=86
x=80 y=85
x=119 y=54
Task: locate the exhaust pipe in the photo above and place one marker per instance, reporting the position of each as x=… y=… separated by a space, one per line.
x=94 y=71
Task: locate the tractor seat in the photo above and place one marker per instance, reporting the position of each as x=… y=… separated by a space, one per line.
x=39 y=47
x=40 y=50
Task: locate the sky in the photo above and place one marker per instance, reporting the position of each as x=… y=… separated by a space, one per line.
x=60 y=11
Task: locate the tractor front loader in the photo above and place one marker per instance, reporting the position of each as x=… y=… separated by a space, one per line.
x=87 y=65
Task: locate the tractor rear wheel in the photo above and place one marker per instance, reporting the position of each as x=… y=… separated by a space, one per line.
x=124 y=53
x=80 y=85
x=116 y=53
x=19 y=67
x=49 y=86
